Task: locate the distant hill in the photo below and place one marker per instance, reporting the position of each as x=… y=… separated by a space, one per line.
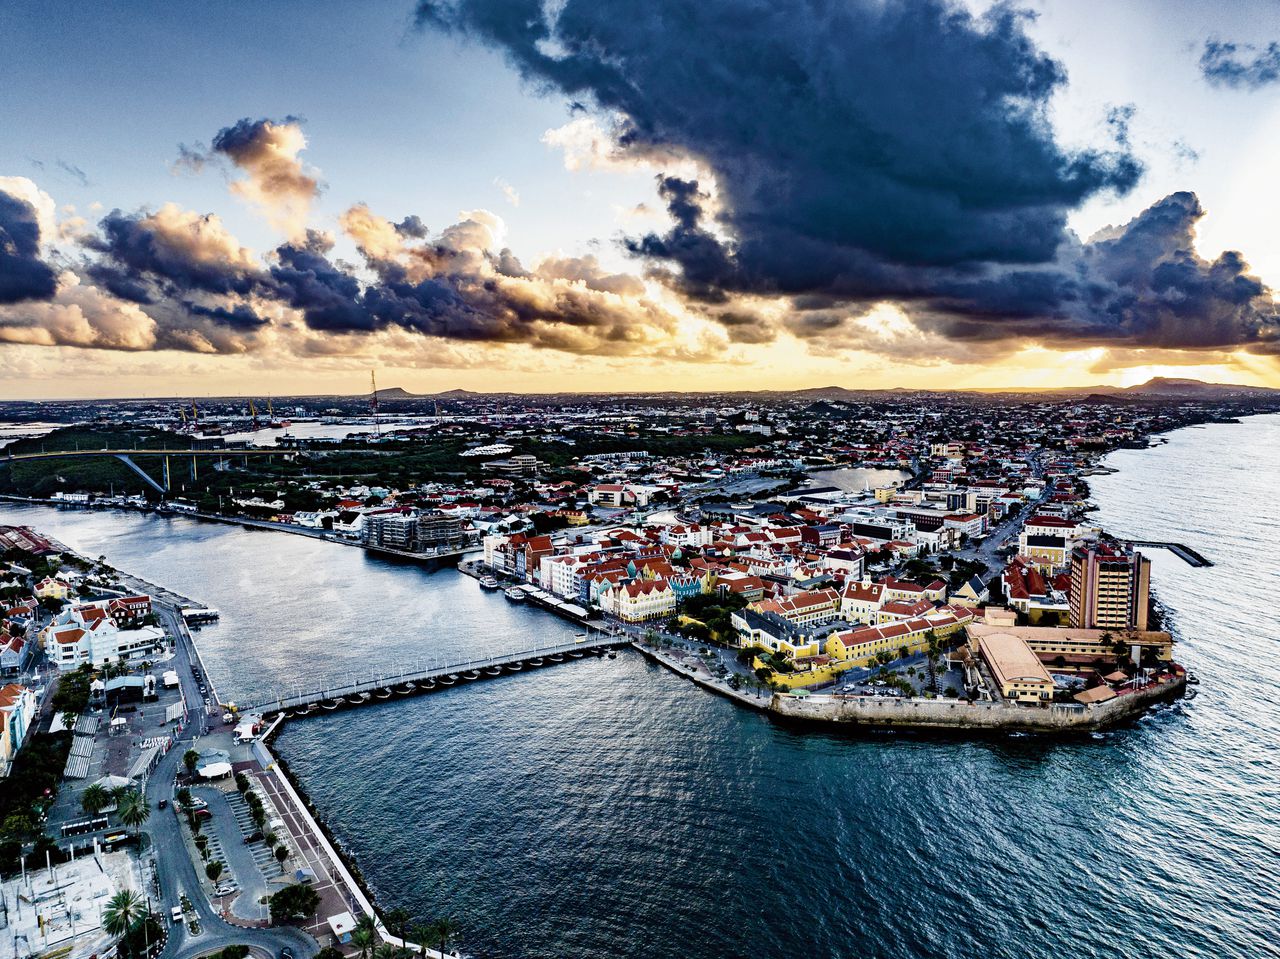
x=1154 y=388
x=396 y=393
x=1168 y=386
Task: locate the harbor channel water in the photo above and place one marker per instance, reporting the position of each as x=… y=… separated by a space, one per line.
x=608 y=808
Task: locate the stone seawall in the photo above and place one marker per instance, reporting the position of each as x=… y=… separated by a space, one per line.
x=960 y=716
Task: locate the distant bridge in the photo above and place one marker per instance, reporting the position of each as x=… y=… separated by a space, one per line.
x=412 y=682
x=126 y=456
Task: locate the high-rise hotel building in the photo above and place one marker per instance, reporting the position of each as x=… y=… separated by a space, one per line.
x=1110 y=587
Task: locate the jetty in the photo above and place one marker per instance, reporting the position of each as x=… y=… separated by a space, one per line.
x=1180 y=550
x=414 y=682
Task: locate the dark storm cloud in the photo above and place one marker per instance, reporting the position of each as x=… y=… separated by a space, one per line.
x=412 y=227
x=23 y=274
x=238 y=317
x=451 y=286
x=1227 y=64
x=148 y=255
x=878 y=150
x=912 y=133
x=1142 y=284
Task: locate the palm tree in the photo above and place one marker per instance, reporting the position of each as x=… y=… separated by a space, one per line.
x=398 y=920
x=189 y=759
x=94 y=799
x=421 y=934
x=121 y=914
x=362 y=937
x=444 y=928
x=213 y=870
x=133 y=809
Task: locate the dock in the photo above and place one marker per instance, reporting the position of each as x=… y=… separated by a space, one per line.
x=1185 y=553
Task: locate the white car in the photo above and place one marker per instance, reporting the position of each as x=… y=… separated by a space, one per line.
x=176 y=913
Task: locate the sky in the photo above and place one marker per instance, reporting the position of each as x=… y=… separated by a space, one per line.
x=579 y=195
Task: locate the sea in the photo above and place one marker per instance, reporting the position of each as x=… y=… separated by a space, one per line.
x=607 y=808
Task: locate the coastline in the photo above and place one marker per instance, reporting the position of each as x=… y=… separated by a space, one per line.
x=333 y=842
x=247 y=522
x=343 y=861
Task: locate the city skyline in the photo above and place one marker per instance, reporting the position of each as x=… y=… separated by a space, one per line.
x=502 y=196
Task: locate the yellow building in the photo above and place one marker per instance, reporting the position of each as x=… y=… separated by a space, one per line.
x=1049 y=642
x=860 y=646
x=50 y=588
x=1017 y=670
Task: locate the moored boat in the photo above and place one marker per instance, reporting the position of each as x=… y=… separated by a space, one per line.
x=514 y=593
x=488 y=582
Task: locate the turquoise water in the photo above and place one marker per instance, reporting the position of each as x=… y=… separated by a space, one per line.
x=606 y=808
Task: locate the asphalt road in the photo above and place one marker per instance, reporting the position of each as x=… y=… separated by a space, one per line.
x=173 y=866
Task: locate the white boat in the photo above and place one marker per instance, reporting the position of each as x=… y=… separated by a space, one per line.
x=514 y=593
x=488 y=582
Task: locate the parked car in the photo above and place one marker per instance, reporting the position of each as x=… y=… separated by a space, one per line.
x=197 y=803
x=162 y=804
x=176 y=913
x=255 y=836
x=203 y=814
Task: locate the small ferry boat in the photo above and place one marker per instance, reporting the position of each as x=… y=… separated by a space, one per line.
x=488 y=582
x=514 y=593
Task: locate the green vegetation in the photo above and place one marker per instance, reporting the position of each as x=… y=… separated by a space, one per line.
x=132 y=809
x=294 y=902
x=444 y=929
x=29 y=790
x=72 y=694
x=237 y=951
x=46 y=477
x=710 y=616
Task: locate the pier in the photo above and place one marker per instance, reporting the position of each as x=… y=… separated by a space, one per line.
x=413 y=682
x=1180 y=550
